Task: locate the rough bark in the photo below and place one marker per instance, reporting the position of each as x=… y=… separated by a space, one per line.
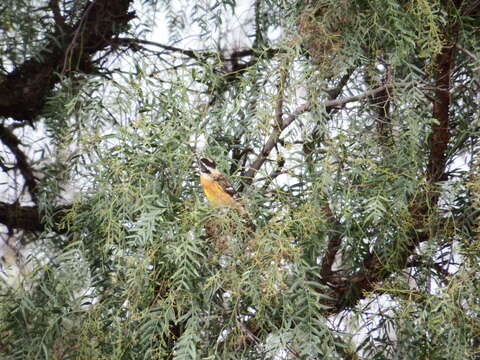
x=24 y=90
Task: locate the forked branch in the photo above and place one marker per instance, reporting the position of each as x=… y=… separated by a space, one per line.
x=277 y=130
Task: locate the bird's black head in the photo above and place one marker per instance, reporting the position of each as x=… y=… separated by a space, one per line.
x=207 y=165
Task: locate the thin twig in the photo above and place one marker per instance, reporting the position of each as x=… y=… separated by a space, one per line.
x=333 y=94
x=76 y=33
x=280 y=95
x=200 y=54
x=277 y=130
x=194 y=54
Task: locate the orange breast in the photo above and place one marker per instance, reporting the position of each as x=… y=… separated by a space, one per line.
x=215 y=193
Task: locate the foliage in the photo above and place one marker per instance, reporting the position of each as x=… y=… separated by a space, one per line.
x=361 y=239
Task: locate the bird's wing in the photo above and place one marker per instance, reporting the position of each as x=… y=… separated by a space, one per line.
x=227 y=186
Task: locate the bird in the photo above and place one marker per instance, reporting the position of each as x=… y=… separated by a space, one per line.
x=217 y=187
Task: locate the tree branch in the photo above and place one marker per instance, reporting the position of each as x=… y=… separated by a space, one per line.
x=441 y=105
x=274 y=136
x=280 y=96
x=28 y=218
x=15 y=216
x=332 y=247
x=201 y=55
x=194 y=54
x=57 y=15
x=308 y=146
x=12 y=142
x=24 y=90
x=381 y=106
x=351 y=290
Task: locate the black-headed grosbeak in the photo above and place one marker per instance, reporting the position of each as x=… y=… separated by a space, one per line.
x=217 y=187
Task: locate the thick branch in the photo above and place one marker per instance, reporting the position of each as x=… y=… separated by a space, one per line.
x=23 y=92
x=57 y=16
x=441 y=105
x=332 y=247
x=12 y=142
x=15 y=216
x=351 y=290
x=28 y=218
